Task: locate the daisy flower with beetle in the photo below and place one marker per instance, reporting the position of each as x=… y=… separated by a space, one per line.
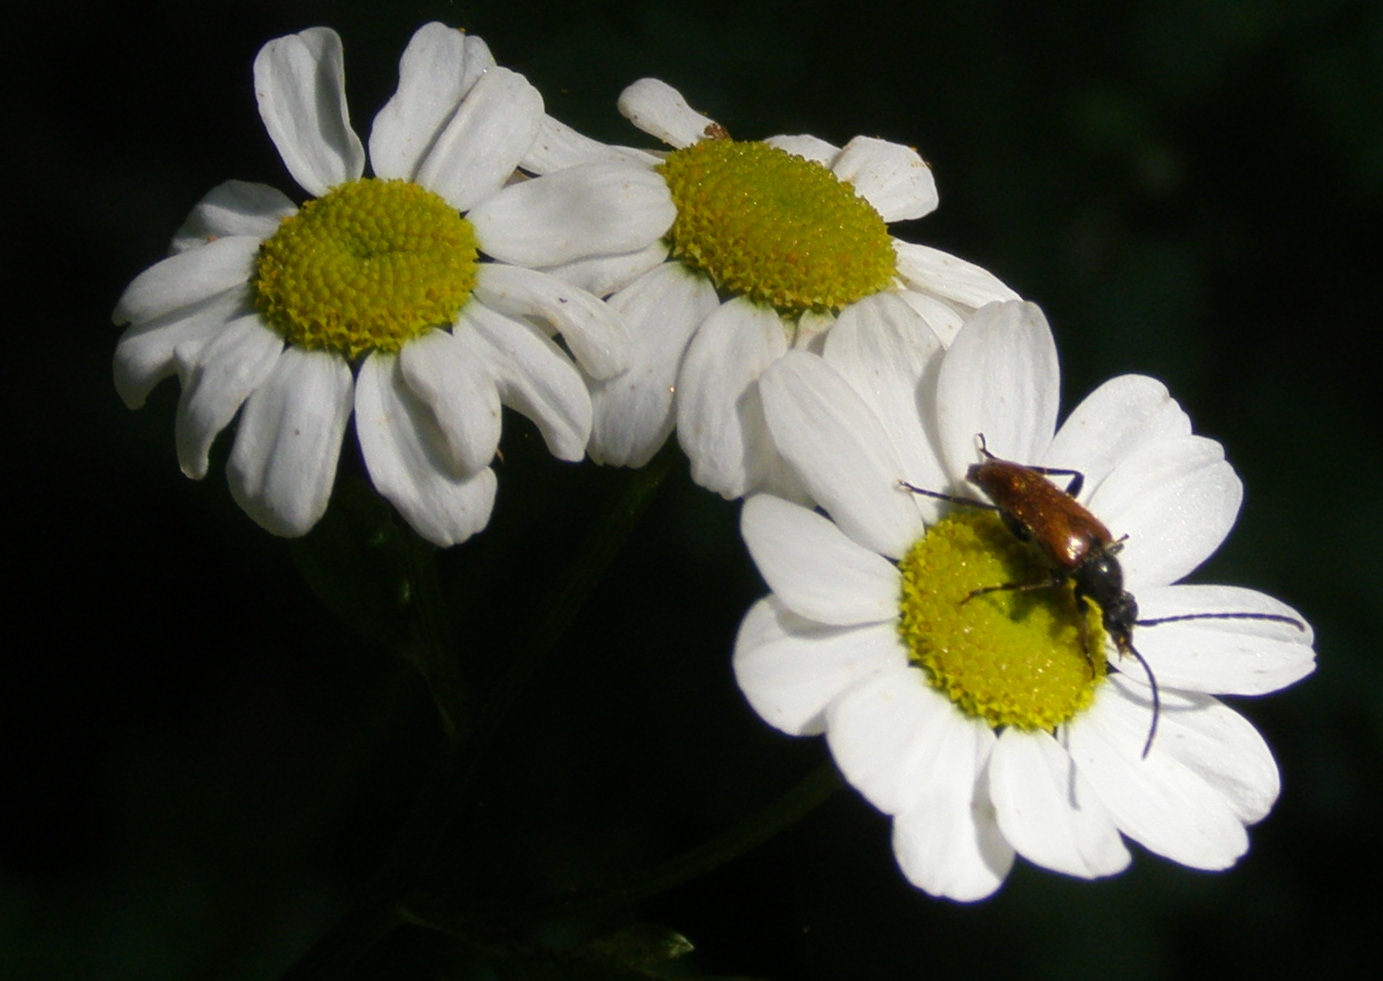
x=411 y=299
x=977 y=717
x=774 y=244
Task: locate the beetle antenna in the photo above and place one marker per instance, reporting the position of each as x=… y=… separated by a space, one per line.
x=1274 y=617
x=1156 y=695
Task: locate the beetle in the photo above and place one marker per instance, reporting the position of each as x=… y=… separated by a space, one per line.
x=1077 y=546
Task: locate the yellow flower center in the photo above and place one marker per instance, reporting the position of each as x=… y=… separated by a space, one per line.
x=777 y=228
x=1011 y=657
x=368 y=266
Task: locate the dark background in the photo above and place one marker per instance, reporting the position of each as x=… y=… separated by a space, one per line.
x=200 y=767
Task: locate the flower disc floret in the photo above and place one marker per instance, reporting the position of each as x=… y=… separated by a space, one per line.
x=775 y=227
x=368 y=266
x=1011 y=657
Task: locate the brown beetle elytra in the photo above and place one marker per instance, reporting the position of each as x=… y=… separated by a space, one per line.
x=1078 y=547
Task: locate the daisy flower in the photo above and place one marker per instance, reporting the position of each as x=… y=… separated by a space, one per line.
x=773 y=243
x=979 y=721
x=372 y=297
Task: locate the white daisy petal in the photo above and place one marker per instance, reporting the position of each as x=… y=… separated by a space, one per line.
x=633 y=411
x=891 y=177
x=231 y=209
x=283 y=464
x=1001 y=379
x=400 y=442
x=791 y=668
x=814 y=569
x=719 y=415
x=558 y=146
x=147 y=351
x=187 y=278
x=1159 y=802
x=845 y=460
x=1112 y=422
x=605 y=274
x=534 y=377
x=659 y=110
x=884 y=350
x=446 y=374
x=1223 y=656
x=930 y=270
x=947 y=839
x=1176 y=500
x=596 y=334
x=598 y=208
x=224 y=374
x=300 y=82
x=437 y=70
x=807 y=147
x=1226 y=751
x=477 y=150
x=813 y=327
x=960 y=810
x=944 y=320
x=882 y=730
x=1048 y=812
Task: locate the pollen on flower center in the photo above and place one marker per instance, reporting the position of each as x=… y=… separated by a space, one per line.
x=775 y=227
x=366 y=267
x=1011 y=657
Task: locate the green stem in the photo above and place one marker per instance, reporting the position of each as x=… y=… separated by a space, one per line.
x=809 y=793
x=431 y=646
x=440 y=798
x=478 y=927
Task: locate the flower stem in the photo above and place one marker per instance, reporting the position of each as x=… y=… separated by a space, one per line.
x=479 y=927
x=448 y=781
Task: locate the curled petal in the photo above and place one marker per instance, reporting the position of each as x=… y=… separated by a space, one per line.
x=300 y=82
x=558 y=146
x=234 y=208
x=227 y=371
x=943 y=319
x=659 y=110
x=891 y=177
x=477 y=150
x=633 y=411
x=596 y=334
x=438 y=69
x=401 y=443
x=720 y=421
x=153 y=350
x=283 y=464
x=807 y=147
x=187 y=278
x=949 y=277
x=534 y=376
x=455 y=382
